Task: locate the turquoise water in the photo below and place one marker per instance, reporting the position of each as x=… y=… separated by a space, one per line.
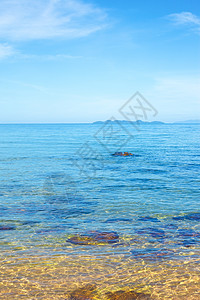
x=151 y=197
x=61 y=187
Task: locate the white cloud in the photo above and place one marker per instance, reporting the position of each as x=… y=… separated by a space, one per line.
x=36 y=19
x=5 y=51
x=186 y=18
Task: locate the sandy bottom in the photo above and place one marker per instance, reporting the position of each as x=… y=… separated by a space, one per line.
x=57 y=276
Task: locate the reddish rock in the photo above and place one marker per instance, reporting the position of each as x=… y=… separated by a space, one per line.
x=122 y=154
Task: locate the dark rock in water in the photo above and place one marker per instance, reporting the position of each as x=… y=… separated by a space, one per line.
x=117 y=154
x=179 y=218
x=122 y=154
x=188 y=233
x=7 y=228
x=29 y=222
x=170 y=226
x=154 y=232
x=113 y=220
x=193 y=216
x=151 y=219
x=188 y=242
x=187 y=237
x=127 y=295
x=94 y=238
x=74 y=212
x=85 y=293
x=190 y=216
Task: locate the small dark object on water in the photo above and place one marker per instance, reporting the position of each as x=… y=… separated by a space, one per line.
x=151 y=219
x=94 y=238
x=129 y=295
x=122 y=154
x=113 y=220
x=7 y=228
x=85 y=293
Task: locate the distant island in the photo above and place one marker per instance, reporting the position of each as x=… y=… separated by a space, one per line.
x=140 y=122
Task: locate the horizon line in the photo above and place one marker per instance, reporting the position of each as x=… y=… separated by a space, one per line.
x=92 y=122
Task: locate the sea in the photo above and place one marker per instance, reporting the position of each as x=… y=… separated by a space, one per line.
x=77 y=221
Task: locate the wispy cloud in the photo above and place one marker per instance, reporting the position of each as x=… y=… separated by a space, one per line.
x=186 y=18
x=35 y=19
x=47 y=57
x=6 y=50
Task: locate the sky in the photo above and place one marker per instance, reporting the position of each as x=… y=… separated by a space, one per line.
x=67 y=61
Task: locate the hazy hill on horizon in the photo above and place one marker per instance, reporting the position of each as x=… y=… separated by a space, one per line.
x=149 y=122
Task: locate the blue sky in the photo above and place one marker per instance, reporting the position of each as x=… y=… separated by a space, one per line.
x=80 y=61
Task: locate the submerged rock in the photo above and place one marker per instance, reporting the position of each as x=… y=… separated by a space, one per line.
x=113 y=220
x=170 y=226
x=151 y=219
x=188 y=243
x=154 y=232
x=85 y=293
x=193 y=216
x=190 y=216
x=179 y=218
x=188 y=233
x=7 y=228
x=94 y=238
x=127 y=295
x=151 y=253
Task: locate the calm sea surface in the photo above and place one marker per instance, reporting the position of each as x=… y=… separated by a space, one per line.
x=59 y=181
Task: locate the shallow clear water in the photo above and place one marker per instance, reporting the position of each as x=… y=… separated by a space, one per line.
x=58 y=180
